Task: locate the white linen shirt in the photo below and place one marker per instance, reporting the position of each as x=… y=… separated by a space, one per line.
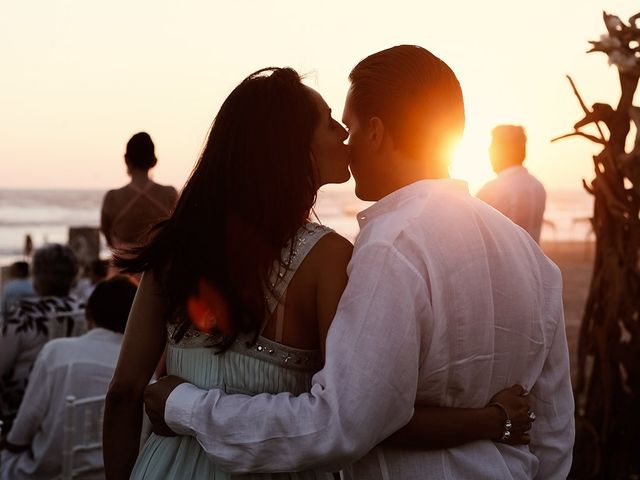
x=518 y=195
x=447 y=303
x=81 y=366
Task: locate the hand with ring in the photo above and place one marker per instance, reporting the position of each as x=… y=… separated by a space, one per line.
x=513 y=402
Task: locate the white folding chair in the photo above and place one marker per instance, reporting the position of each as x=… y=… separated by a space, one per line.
x=82 y=432
x=66 y=324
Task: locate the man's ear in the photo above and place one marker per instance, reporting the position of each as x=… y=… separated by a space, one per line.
x=376 y=132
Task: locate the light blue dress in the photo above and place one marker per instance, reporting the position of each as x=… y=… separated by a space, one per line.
x=265 y=367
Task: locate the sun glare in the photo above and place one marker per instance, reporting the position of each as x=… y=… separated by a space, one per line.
x=471 y=160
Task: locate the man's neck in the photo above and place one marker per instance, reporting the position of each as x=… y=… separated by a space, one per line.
x=508 y=167
x=410 y=171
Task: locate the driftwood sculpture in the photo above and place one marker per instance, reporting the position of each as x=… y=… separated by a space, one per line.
x=609 y=342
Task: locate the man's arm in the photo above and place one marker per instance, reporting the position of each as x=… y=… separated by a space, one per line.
x=365 y=392
x=444 y=427
x=553 y=433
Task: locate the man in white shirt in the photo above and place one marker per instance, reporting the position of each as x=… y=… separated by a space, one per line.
x=447 y=302
x=80 y=366
x=515 y=192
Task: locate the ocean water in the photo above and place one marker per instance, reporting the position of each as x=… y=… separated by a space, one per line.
x=46 y=215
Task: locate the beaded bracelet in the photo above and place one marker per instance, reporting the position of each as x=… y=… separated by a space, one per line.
x=506 y=433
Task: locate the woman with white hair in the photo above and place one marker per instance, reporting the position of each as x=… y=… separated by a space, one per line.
x=35 y=320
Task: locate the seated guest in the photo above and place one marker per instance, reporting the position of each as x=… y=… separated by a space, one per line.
x=19 y=286
x=35 y=320
x=81 y=367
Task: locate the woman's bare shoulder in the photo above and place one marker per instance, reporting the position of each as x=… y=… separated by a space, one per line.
x=334 y=242
x=114 y=197
x=331 y=250
x=168 y=193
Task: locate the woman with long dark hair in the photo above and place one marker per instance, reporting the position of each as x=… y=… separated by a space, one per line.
x=244 y=210
x=238 y=284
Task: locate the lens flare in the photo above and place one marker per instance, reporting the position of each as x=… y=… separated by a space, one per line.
x=208 y=309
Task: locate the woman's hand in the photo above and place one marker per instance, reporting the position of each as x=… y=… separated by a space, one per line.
x=513 y=405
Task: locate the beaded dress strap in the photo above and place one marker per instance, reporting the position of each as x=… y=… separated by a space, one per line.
x=283 y=271
x=281 y=275
x=280 y=318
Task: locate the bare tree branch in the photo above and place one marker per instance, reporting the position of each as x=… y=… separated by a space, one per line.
x=577 y=94
x=587 y=187
x=580 y=134
x=583 y=105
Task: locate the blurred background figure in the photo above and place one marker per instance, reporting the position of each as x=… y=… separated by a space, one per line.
x=34 y=321
x=129 y=212
x=28 y=246
x=81 y=367
x=19 y=286
x=93 y=273
x=515 y=192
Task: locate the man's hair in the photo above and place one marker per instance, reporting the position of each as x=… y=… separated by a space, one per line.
x=414 y=93
x=19 y=270
x=509 y=135
x=110 y=302
x=508 y=146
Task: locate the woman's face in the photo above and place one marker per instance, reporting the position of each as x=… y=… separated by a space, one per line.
x=329 y=153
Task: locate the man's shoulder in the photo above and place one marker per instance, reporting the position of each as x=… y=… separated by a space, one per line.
x=384 y=230
x=537 y=183
x=496 y=191
x=85 y=349
x=61 y=348
x=402 y=231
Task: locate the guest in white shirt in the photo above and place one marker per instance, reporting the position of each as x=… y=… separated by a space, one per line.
x=82 y=367
x=447 y=301
x=515 y=192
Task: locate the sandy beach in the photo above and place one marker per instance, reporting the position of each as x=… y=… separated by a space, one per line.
x=575 y=259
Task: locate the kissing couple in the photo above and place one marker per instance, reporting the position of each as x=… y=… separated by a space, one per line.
x=434 y=347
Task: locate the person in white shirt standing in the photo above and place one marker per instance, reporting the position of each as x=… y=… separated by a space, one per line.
x=80 y=366
x=515 y=192
x=447 y=301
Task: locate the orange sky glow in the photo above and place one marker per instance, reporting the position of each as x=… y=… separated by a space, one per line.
x=79 y=78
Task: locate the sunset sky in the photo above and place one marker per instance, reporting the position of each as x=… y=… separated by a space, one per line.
x=80 y=77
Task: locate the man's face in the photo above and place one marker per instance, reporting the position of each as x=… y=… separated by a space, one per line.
x=363 y=158
x=494 y=156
